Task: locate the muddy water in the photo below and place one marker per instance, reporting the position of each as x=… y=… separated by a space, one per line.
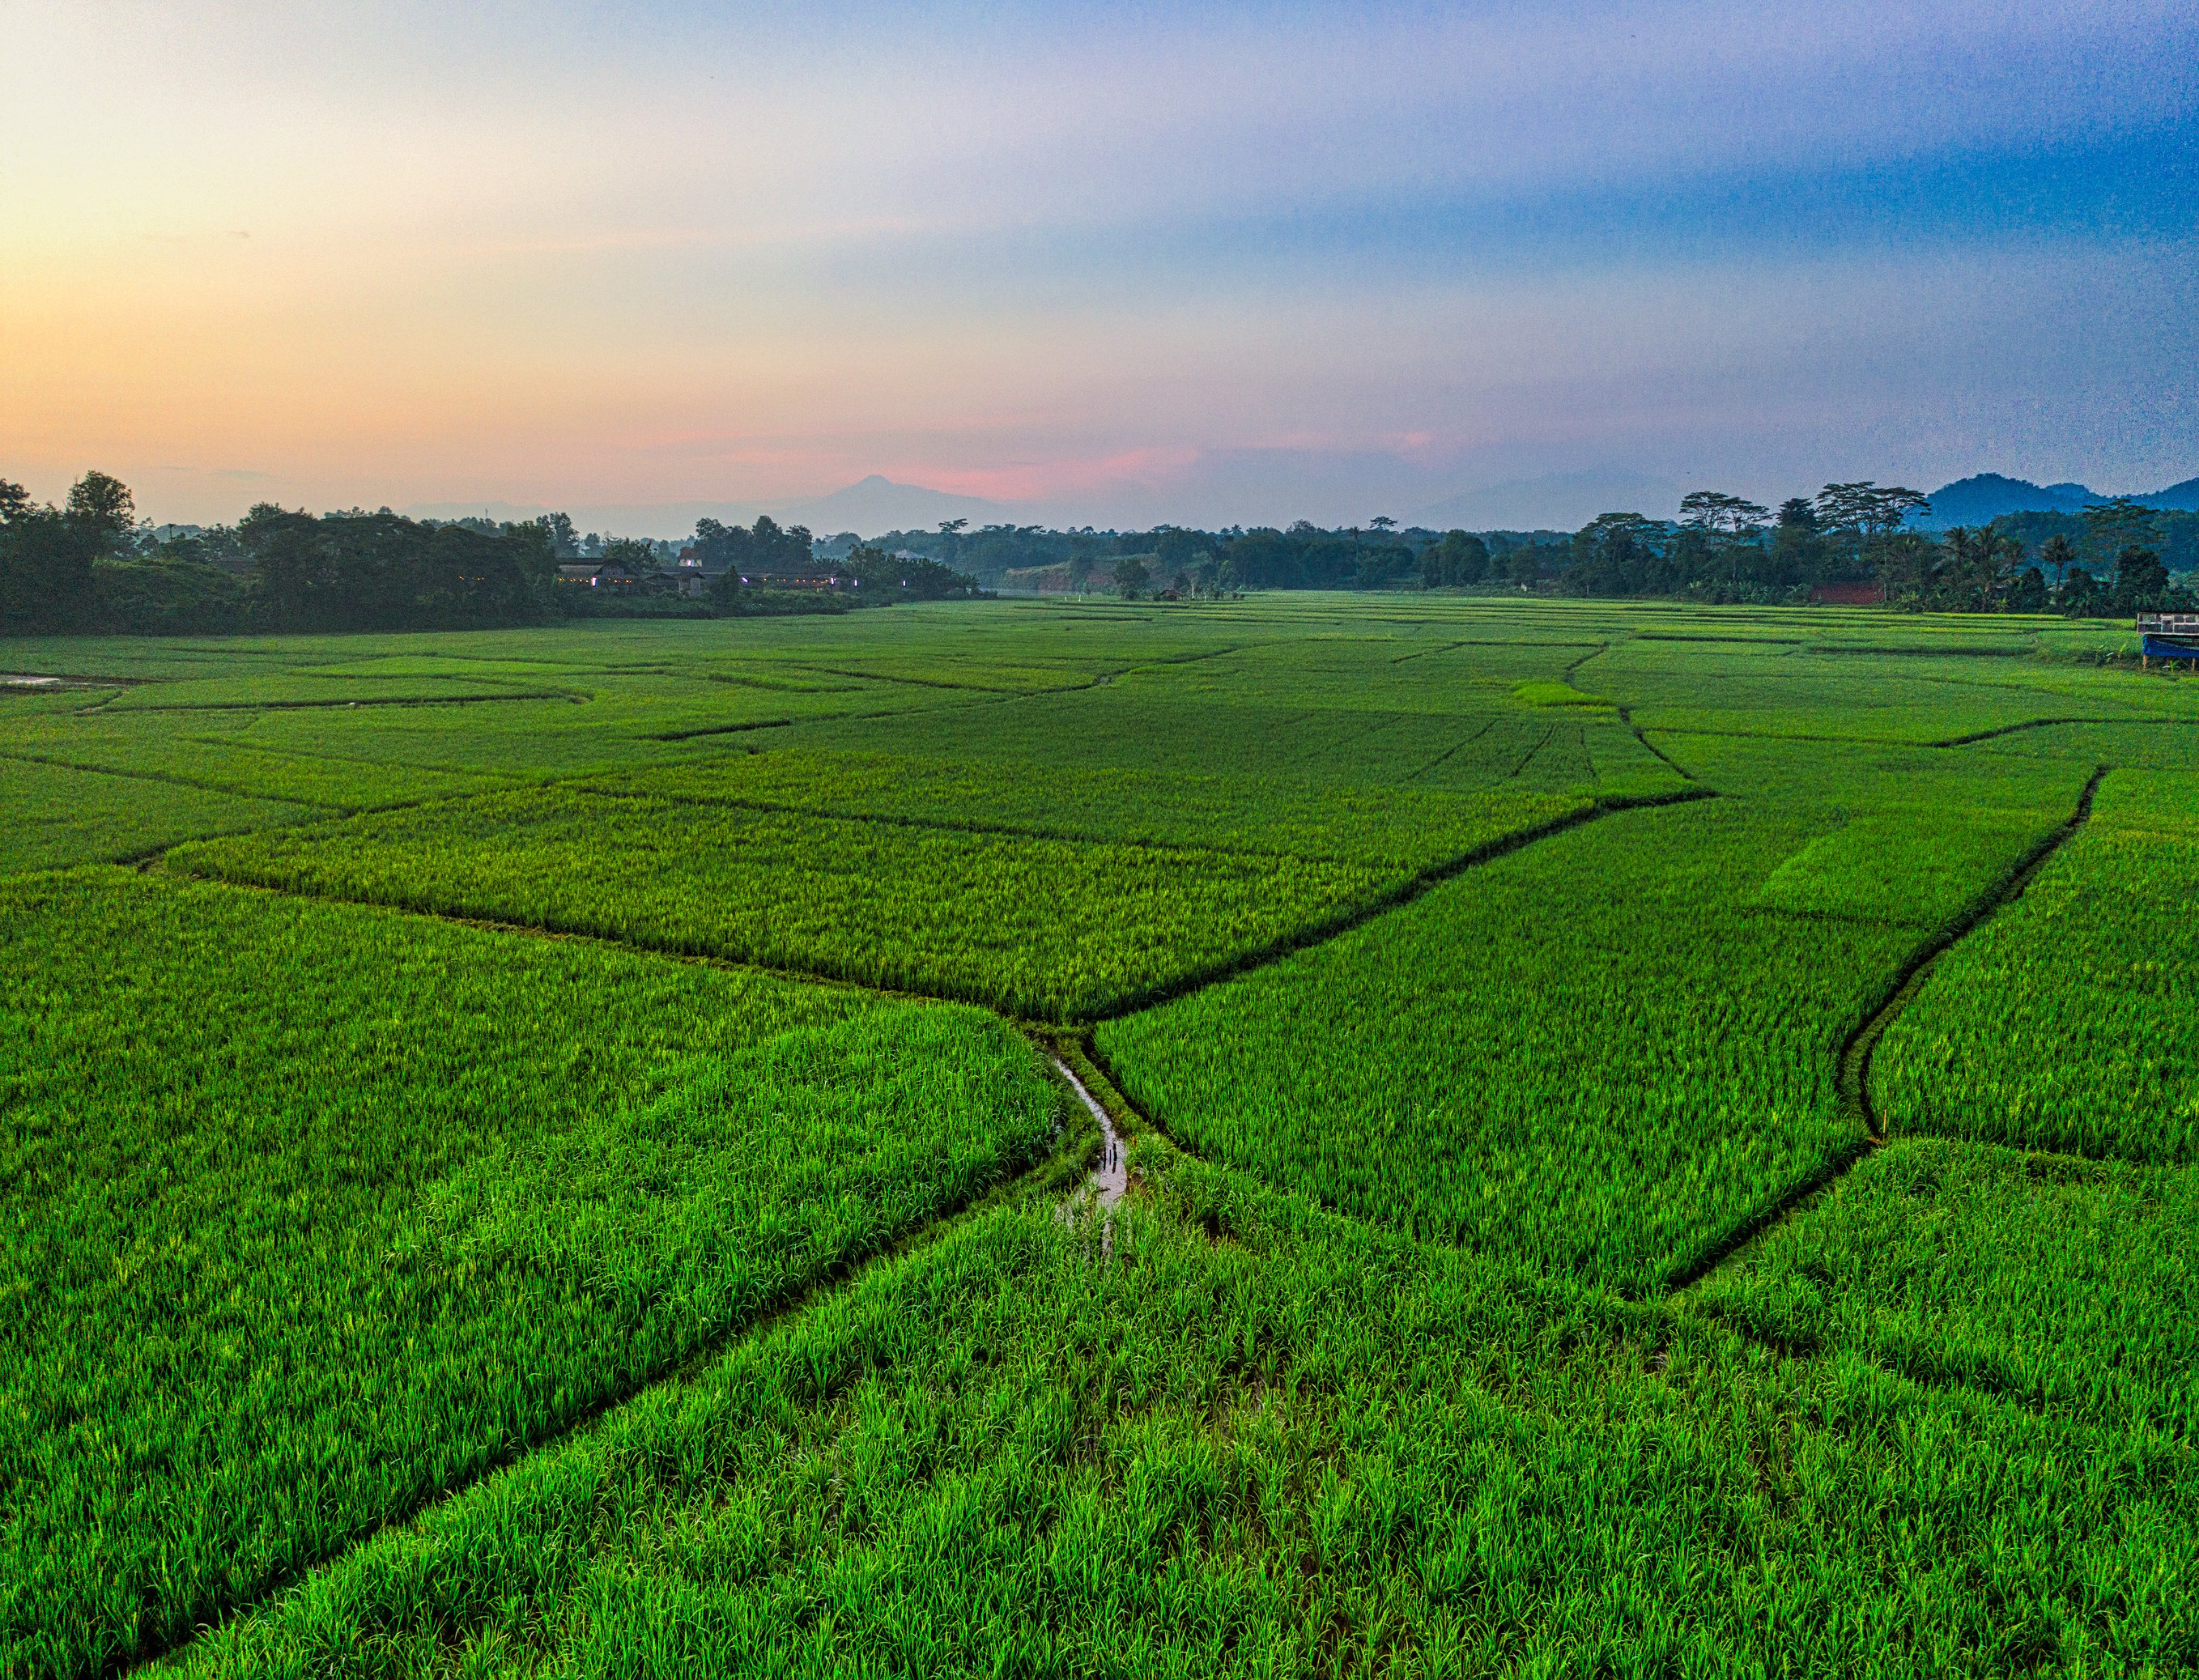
x=1112 y=1176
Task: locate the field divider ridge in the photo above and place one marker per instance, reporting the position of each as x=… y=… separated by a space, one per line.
x=969 y=697
x=1626 y=717
x=328 y=811
x=1410 y=887
x=1464 y=741
x=569 y=696
x=1058 y=1171
x=2029 y=723
x=1851 y=1078
x=947 y=825
x=1405 y=892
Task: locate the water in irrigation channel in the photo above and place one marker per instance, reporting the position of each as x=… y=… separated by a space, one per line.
x=1111 y=1177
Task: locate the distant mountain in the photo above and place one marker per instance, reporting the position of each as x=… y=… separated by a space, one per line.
x=1984 y=497
x=1554 y=502
x=876 y=504
x=2177 y=498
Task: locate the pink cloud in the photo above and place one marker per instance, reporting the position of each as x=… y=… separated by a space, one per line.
x=1037 y=480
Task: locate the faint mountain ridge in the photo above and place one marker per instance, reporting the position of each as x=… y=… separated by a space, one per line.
x=1983 y=497
x=874 y=506
x=1553 y=502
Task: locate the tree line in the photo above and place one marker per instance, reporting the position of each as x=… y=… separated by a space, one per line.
x=89 y=566
x=1856 y=537
x=2105 y=562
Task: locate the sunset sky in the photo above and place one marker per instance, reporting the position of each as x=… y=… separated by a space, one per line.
x=1106 y=264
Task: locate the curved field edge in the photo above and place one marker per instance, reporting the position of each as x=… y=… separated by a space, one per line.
x=2056 y=1282
x=1056 y=930
x=1241 y=1436
x=322 y=1210
x=2067 y=1024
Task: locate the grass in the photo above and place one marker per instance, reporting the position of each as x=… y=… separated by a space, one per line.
x=1579 y=1055
x=2067 y=1023
x=408 y=1296
x=1613 y=1051
x=1398 y=827
x=1052 y=929
x=1296 y=1446
x=57 y=815
x=1554 y=694
x=2063 y=1283
x=315 y=1211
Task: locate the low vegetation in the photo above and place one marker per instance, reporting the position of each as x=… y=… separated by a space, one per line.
x=1293 y=1445
x=2068 y=1023
x=317 y=1209
x=1054 y=929
x=1620 y=1178
x=2063 y=1283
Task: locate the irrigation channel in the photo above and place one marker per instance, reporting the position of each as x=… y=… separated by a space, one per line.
x=1111 y=1174
x=1107 y=1180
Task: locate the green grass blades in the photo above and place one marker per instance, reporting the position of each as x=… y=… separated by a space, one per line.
x=2070 y=1021
x=315 y=1211
x=55 y=816
x=1554 y=694
x=2059 y=1282
x=1054 y=929
x=1246 y=1439
x=1397 y=826
x=1925 y=867
x=1588 y=1054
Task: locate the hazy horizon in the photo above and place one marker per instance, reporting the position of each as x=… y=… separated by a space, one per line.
x=1208 y=265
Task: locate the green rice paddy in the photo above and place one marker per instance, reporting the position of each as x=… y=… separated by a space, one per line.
x=1660 y=1142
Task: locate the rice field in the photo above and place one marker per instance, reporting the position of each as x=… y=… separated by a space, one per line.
x=1660 y=1141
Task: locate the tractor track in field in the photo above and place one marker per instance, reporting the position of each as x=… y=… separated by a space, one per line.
x=1851 y=1081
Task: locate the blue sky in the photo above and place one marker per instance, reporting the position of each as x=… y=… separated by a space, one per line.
x=1108 y=265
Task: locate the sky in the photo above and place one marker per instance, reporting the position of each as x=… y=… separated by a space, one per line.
x=1107 y=265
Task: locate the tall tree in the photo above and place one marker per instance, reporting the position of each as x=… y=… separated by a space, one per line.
x=101 y=507
x=2112 y=526
x=45 y=564
x=2057 y=551
x=1866 y=508
x=1978 y=571
x=950 y=539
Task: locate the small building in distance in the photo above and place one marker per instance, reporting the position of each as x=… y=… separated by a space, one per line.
x=1848 y=595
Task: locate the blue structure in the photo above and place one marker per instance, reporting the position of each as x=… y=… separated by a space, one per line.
x=2168 y=636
